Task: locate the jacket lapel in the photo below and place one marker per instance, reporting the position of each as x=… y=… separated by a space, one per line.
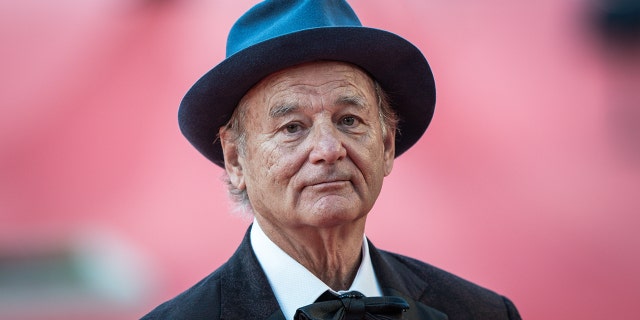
x=397 y=280
x=245 y=290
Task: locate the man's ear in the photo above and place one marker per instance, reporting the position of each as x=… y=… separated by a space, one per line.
x=389 y=151
x=232 y=162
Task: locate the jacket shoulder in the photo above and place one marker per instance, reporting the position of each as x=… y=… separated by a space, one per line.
x=451 y=294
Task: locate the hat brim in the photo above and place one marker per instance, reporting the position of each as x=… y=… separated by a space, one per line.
x=395 y=63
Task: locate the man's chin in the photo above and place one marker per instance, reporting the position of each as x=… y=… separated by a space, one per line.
x=334 y=216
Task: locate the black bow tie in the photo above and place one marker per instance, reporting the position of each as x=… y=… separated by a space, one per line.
x=353 y=305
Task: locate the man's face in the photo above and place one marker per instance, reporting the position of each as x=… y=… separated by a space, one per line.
x=314 y=153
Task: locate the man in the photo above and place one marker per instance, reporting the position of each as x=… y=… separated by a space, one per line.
x=306 y=114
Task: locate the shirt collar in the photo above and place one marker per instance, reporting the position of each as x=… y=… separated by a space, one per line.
x=293 y=285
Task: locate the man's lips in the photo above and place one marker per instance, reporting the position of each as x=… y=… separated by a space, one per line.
x=328 y=182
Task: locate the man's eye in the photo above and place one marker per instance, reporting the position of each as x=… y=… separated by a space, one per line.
x=349 y=121
x=292 y=128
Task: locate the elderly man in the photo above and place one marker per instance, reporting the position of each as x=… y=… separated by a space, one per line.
x=306 y=115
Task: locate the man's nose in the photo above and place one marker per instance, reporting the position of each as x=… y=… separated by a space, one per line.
x=326 y=144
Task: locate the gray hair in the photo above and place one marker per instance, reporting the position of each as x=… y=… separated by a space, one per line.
x=388 y=119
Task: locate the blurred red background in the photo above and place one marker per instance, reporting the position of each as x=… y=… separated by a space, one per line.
x=527 y=181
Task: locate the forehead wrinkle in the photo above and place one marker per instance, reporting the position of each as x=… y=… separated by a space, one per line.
x=286 y=93
x=285 y=97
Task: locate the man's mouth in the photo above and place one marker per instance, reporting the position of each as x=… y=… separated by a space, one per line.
x=333 y=182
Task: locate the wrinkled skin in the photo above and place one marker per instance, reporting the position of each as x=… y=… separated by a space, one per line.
x=313 y=164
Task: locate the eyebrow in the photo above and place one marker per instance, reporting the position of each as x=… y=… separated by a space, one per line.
x=283 y=109
x=352 y=100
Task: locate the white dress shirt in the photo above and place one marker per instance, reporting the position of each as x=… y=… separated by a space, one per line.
x=293 y=285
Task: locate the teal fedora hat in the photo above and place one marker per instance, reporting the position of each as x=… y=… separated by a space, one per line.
x=277 y=34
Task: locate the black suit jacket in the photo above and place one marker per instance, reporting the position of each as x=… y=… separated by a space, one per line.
x=239 y=289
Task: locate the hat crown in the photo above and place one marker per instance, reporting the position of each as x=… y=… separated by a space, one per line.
x=273 y=18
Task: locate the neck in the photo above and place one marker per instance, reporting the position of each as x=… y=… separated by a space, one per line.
x=332 y=254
